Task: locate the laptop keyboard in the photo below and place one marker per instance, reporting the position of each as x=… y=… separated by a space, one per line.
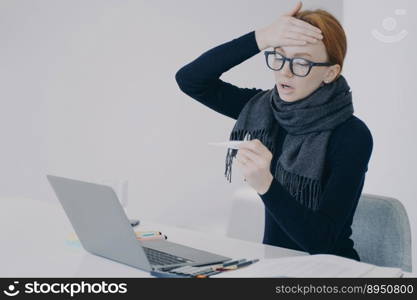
x=162 y=258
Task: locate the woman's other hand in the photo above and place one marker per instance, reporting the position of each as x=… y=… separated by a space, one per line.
x=254 y=160
x=287 y=31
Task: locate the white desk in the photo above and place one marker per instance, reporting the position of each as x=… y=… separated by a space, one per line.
x=36 y=242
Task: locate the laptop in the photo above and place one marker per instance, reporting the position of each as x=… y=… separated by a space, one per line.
x=103 y=229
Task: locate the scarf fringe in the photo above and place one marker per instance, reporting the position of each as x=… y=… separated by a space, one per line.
x=305 y=190
x=238 y=135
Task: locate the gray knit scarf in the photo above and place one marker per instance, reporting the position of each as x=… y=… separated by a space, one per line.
x=309 y=123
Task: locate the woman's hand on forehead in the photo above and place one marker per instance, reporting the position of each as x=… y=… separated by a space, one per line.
x=288 y=31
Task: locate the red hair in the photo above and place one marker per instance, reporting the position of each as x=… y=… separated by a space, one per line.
x=334 y=37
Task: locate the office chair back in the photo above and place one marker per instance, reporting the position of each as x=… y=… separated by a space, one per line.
x=381 y=232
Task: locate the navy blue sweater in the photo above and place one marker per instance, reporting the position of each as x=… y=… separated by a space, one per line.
x=287 y=223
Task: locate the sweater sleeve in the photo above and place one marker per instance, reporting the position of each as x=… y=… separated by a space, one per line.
x=317 y=231
x=200 y=79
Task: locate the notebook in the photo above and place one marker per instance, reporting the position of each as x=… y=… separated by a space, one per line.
x=317 y=265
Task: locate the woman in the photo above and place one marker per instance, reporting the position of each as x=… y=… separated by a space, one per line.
x=308 y=154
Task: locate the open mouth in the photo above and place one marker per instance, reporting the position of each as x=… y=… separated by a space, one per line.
x=285 y=89
x=284 y=86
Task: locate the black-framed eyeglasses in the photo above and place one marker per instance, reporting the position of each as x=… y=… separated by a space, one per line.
x=299 y=66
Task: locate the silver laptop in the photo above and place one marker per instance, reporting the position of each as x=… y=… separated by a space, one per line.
x=104 y=229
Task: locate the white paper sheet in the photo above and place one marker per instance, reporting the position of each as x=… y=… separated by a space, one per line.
x=318 y=265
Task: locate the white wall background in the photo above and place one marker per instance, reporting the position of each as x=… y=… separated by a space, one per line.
x=383 y=80
x=88 y=92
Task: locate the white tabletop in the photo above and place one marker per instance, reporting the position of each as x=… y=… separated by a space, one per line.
x=38 y=241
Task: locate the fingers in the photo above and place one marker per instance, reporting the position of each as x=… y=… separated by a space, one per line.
x=241 y=165
x=291 y=42
x=300 y=33
x=306 y=32
x=245 y=162
x=300 y=37
x=295 y=9
x=304 y=25
x=255 y=146
x=248 y=157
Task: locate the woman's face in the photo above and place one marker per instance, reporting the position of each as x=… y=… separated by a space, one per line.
x=301 y=87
